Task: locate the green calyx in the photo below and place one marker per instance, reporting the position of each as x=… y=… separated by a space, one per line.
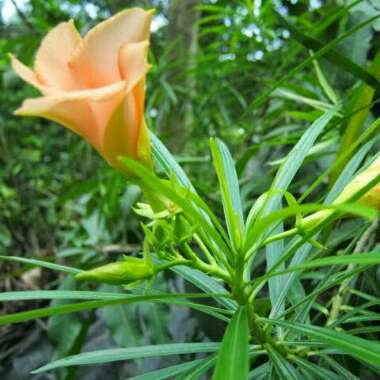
x=131 y=269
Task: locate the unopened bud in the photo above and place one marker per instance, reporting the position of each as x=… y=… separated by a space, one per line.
x=182 y=230
x=129 y=270
x=371 y=198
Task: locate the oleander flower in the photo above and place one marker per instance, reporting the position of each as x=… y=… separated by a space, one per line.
x=371 y=198
x=95 y=85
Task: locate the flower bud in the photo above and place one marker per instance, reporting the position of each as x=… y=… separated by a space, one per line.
x=371 y=198
x=182 y=230
x=129 y=270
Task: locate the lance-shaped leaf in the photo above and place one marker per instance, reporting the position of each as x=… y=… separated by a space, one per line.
x=229 y=188
x=233 y=357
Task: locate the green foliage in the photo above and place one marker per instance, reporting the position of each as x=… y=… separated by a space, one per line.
x=288 y=92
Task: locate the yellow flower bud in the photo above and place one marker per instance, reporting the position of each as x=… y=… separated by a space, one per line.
x=129 y=270
x=371 y=198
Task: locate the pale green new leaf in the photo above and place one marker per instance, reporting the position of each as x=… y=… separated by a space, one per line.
x=229 y=188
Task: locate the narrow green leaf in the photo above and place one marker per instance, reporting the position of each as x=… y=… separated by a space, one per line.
x=348 y=172
x=275 y=284
x=365 y=350
x=283 y=367
x=118 y=354
x=233 y=358
x=303 y=251
x=167 y=161
x=320 y=53
x=360 y=103
x=67 y=333
x=261 y=372
x=120 y=321
x=169 y=372
x=200 y=370
x=332 y=55
x=290 y=167
x=58 y=294
x=281 y=182
x=329 y=91
x=169 y=165
x=229 y=187
x=345 y=374
x=205 y=283
x=89 y=305
x=157 y=185
x=297 y=155
x=315 y=103
x=41 y=263
x=316 y=370
x=360 y=259
x=347 y=208
x=371 y=258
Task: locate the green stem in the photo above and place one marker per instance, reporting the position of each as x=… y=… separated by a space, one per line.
x=280 y=236
x=205 y=250
x=197 y=263
x=163 y=267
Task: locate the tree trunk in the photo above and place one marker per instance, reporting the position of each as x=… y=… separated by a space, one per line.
x=182 y=34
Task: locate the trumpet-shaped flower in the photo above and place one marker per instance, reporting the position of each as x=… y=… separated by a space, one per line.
x=95 y=85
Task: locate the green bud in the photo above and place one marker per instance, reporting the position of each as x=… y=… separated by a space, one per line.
x=182 y=230
x=129 y=270
x=163 y=234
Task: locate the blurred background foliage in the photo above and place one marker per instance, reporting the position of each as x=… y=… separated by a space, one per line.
x=233 y=69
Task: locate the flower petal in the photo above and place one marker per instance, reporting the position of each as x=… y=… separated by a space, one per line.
x=27 y=75
x=77 y=110
x=133 y=62
x=126 y=134
x=96 y=60
x=56 y=49
x=75 y=115
x=133 y=66
x=119 y=132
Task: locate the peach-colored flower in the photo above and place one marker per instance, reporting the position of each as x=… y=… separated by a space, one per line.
x=95 y=85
